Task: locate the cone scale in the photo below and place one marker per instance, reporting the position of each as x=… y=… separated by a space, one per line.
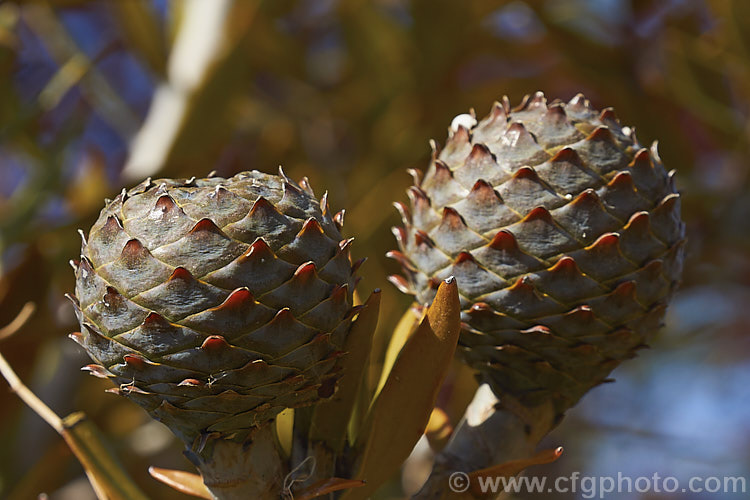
x=564 y=233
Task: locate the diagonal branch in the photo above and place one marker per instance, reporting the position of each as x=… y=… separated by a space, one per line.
x=492 y=432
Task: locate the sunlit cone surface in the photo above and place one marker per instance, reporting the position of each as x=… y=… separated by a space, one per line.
x=216 y=303
x=565 y=236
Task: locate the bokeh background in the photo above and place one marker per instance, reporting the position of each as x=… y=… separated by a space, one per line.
x=95 y=96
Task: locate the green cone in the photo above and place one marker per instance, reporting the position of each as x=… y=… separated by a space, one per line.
x=216 y=303
x=565 y=236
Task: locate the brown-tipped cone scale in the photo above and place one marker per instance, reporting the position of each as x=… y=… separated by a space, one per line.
x=216 y=303
x=564 y=234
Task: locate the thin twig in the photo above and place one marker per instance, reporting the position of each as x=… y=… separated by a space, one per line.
x=29 y=397
x=15 y=383
x=23 y=316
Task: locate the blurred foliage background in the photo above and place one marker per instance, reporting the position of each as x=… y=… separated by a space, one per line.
x=97 y=95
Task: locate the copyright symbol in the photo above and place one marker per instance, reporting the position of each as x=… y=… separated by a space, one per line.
x=458 y=482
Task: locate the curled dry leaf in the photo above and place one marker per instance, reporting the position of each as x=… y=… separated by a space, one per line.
x=182 y=481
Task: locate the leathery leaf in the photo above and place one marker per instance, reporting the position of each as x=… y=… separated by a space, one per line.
x=331 y=417
x=399 y=414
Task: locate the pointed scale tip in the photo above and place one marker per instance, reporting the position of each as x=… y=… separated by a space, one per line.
x=416 y=175
x=464 y=257
x=608 y=115
x=483 y=190
x=524 y=102
x=568 y=155
x=668 y=202
x=582 y=314
x=639 y=221
x=289 y=187
x=642 y=159
x=538 y=213
x=504 y=240
x=339 y=292
x=555 y=113
x=601 y=134
x=497 y=112
x=653 y=268
x=324 y=208
x=311 y=225
x=422 y=238
x=479 y=153
x=537 y=101
x=283 y=175
x=113 y=225
x=537 y=329
x=164 y=203
x=214 y=343
x=135 y=361
x=305 y=272
x=452 y=219
x=626 y=289
x=206 y=225
x=400 y=282
x=418 y=197
x=219 y=193
x=191 y=382
x=132 y=247
x=443 y=172
x=459 y=136
x=85 y=266
x=401 y=259
x=579 y=101
x=338 y=219
x=283 y=316
x=239 y=299
x=522 y=284
x=403 y=211
x=526 y=173
x=480 y=307
x=566 y=265
x=73 y=299
x=97 y=371
x=605 y=242
x=623 y=180
x=304 y=183
x=155 y=320
x=434 y=148
x=133 y=252
x=180 y=273
x=261 y=207
x=655 y=150
x=400 y=234
x=587 y=197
